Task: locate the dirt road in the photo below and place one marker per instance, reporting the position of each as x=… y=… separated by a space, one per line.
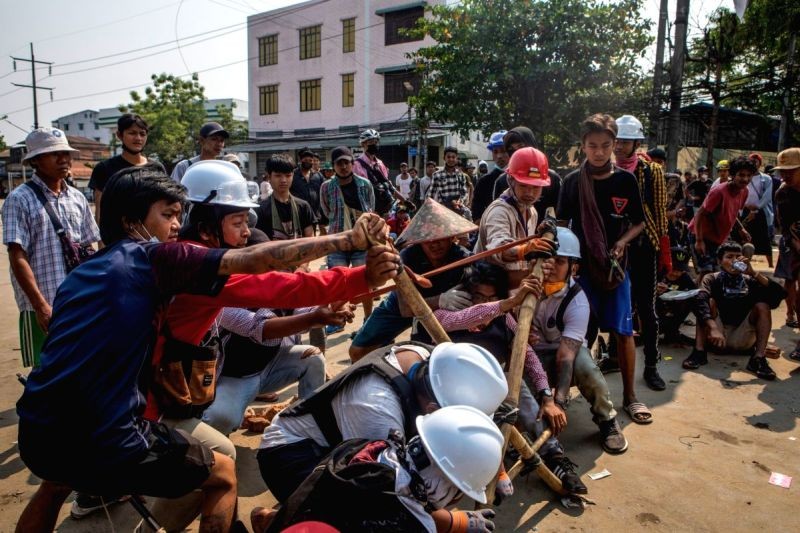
x=703 y=465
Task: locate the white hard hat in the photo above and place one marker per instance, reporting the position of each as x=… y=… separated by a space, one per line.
x=568 y=244
x=467 y=374
x=466 y=446
x=629 y=128
x=217 y=182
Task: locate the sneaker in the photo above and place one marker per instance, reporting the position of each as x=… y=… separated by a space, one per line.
x=695 y=360
x=84 y=504
x=613 y=440
x=564 y=469
x=653 y=379
x=760 y=367
x=608 y=365
x=331 y=329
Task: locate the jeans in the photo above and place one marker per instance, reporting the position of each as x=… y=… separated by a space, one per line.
x=528 y=411
x=589 y=380
x=235 y=394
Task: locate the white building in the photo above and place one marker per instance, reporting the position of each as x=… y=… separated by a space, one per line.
x=322 y=70
x=84 y=124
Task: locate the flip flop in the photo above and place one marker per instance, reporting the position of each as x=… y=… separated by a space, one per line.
x=795 y=355
x=639 y=413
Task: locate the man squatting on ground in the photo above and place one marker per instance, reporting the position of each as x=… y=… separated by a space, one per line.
x=112 y=447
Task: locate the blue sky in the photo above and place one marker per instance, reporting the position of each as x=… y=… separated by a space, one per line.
x=87 y=41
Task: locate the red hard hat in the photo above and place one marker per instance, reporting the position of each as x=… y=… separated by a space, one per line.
x=529 y=166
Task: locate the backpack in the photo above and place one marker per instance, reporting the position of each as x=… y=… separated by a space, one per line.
x=382 y=189
x=354 y=496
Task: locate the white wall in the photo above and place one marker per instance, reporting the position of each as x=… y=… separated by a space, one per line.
x=370 y=53
x=91 y=130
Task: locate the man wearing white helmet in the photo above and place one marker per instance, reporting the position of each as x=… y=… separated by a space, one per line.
x=385 y=390
x=560 y=321
x=38 y=256
x=388 y=485
x=649 y=252
x=369 y=166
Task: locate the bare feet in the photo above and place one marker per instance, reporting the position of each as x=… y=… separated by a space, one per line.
x=261 y=518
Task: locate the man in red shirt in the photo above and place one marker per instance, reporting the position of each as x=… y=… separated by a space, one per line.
x=713 y=222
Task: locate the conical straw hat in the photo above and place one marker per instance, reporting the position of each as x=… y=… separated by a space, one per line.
x=434 y=221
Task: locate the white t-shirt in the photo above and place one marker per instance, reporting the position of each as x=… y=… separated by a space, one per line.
x=576 y=319
x=367 y=408
x=424 y=185
x=404 y=185
x=181 y=168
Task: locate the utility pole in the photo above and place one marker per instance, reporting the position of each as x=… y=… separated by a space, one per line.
x=676 y=84
x=783 y=131
x=33 y=85
x=658 y=73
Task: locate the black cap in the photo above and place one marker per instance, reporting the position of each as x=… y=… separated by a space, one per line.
x=341 y=152
x=451 y=150
x=657 y=153
x=305 y=152
x=703 y=169
x=213 y=128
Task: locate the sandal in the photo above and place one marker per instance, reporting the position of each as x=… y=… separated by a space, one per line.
x=269 y=397
x=639 y=413
x=795 y=355
x=792 y=323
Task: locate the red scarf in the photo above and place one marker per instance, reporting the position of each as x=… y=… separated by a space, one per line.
x=628 y=163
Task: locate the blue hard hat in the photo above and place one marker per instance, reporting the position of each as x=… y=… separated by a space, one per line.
x=496 y=140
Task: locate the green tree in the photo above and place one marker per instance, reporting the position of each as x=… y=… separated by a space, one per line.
x=173 y=108
x=713 y=59
x=546 y=64
x=3 y=144
x=237 y=128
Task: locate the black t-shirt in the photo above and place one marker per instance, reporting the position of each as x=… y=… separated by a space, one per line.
x=617 y=199
x=264 y=212
x=416 y=260
x=108 y=167
x=307 y=190
x=700 y=189
x=350 y=195
x=787 y=208
x=484 y=193
x=683 y=283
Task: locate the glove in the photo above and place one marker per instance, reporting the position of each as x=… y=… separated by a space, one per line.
x=538 y=247
x=504 y=486
x=664 y=254
x=472 y=521
x=455 y=299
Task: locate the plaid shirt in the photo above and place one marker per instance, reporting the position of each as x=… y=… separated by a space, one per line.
x=446 y=187
x=331 y=201
x=25 y=222
x=250 y=324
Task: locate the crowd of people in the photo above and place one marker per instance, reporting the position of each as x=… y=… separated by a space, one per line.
x=182 y=298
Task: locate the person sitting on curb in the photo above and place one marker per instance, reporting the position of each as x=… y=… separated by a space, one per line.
x=385 y=390
x=673 y=312
x=560 y=322
x=733 y=311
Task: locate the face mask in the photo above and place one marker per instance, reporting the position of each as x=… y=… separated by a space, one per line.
x=552 y=287
x=305 y=165
x=372 y=149
x=139 y=236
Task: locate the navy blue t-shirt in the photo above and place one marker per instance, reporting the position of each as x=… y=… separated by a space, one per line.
x=95 y=366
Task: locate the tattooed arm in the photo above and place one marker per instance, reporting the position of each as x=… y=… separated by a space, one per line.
x=565 y=360
x=281 y=255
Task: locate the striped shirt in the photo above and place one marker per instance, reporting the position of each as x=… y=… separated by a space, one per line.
x=447 y=187
x=25 y=222
x=250 y=324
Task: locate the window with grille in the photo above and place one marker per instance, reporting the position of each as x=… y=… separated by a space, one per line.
x=268 y=100
x=268 y=50
x=348 y=35
x=310 y=42
x=311 y=95
x=394 y=89
x=401 y=20
x=348 y=90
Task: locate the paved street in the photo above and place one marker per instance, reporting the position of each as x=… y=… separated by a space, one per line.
x=703 y=465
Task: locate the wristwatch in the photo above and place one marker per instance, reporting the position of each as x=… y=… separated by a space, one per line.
x=545 y=393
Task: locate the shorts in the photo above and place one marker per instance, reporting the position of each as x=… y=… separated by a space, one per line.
x=175 y=464
x=383 y=325
x=31 y=338
x=708 y=261
x=612 y=309
x=347 y=259
x=285 y=467
x=788 y=262
x=741 y=337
